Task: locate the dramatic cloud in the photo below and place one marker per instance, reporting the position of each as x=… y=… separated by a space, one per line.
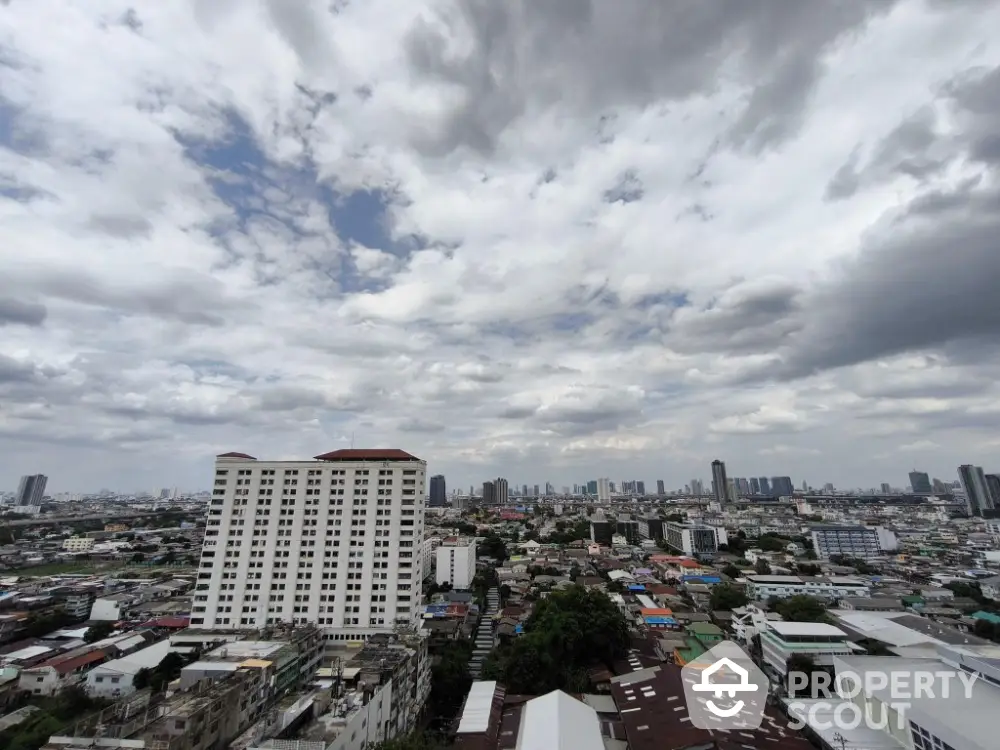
x=548 y=240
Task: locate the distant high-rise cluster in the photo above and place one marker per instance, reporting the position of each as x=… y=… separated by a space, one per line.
x=438 y=494
x=727 y=489
x=495 y=492
x=982 y=490
x=720 y=483
x=782 y=486
x=920 y=483
x=604 y=489
x=31 y=489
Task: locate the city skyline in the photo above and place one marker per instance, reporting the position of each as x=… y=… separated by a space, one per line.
x=377 y=233
x=476 y=483
x=705 y=480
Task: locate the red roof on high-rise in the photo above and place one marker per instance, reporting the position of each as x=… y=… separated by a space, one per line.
x=236 y=455
x=367 y=454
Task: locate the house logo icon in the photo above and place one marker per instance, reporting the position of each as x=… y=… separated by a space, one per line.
x=724 y=689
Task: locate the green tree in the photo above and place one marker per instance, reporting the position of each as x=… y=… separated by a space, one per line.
x=726 y=597
x=98 y=631
x=763 y=567
x=802 y=608
x=142 y=678
x=731 y=571
x=809 y=570
x=568 y=632
x=769 y=543
x=504 y=592
x=492 y=546
x=450 y=679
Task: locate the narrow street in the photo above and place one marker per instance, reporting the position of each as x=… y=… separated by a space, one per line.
x=484 y=635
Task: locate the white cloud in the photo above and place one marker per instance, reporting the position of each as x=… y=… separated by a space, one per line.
x=177 y=278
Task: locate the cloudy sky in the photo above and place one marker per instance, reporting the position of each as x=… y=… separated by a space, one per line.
x=554 y=239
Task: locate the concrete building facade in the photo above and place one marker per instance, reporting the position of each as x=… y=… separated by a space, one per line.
x=336 y=541
x=456 y=563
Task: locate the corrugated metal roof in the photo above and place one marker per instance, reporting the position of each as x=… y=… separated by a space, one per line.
x=476 y=714
x=558 y=721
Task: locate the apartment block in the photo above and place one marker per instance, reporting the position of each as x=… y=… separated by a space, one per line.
x=864 y=542
x=762 y=588
x=456 y=563
x=336 y=541
x=694 y=539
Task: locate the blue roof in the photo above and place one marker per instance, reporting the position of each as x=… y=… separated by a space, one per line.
x=659 y=620
x=707 y=579
x=519 y=628
x=988 y=616
x=636 y=587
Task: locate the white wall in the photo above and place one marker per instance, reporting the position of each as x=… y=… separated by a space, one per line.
x=456 y=565
x=106 y=682
x=42 y=681
x=313 y=543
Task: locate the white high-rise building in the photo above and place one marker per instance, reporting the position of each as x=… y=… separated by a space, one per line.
x=336 y=541
x=604 y=490
x=456 y=563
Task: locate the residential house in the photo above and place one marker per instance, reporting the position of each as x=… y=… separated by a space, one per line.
x=114 y=679
x=51 y=676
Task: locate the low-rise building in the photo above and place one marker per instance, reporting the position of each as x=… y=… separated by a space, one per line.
x=863 y=542
x=59 y=672
x=114 y=679
x=779 y=641
x=748 y=621
x=762 y=588
x=694 y=539
x=78 y=544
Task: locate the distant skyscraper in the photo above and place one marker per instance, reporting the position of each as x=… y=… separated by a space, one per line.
x=977 y=491
x=537 y=493
x=549 y=489
x=501 y=489
x=31 y=489
x=782 y=486
x=604 y=490
x=720 y=483
x=524 y=490
x=640 y=487
x=886 y=489
x=592 y=487
x=697 y=488
x=993 y=485
x=765 y=486
x=754 y=485
x=438 y=497
x=920 y=483
x=660 y=488
x=489 y=493
x=744 y=487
